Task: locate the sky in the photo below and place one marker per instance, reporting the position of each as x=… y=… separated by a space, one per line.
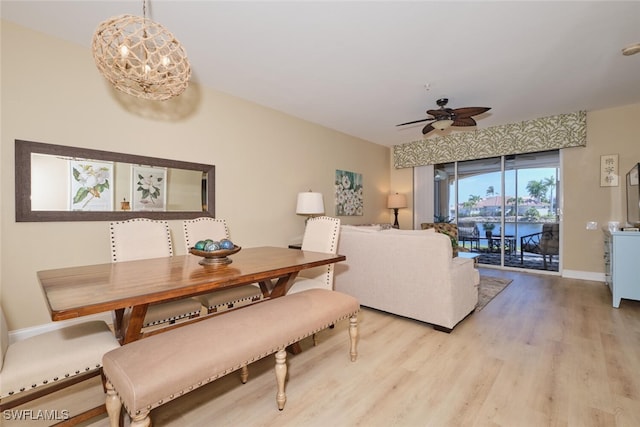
x=477 y=185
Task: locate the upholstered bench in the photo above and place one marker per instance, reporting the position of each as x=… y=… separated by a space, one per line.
x=145 y=374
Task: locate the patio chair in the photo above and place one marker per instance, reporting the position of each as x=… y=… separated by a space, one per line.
x=545 y=243
x=216 y=229
x=468 y=232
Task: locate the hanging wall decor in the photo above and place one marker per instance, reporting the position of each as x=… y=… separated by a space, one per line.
x=349 y=193
x=609 y=170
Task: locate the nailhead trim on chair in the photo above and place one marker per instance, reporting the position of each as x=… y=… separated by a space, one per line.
x=187 y=221
x=114 y=256
x=47 y=381
x=190 y=241
x=173 y=318
x=334 y=241
x=231 y=304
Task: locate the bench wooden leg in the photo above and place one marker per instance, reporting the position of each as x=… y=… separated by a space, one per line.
x=244 y=374
x=281 y=373
x=353 y=335
x=141 y=420
x=113 y=404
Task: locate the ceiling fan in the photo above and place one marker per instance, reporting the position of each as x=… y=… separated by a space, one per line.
x=445 y=117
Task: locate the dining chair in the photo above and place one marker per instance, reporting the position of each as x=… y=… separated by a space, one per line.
x=142 y=238
x=47 y=362
x=216 y=229
x=320 y=235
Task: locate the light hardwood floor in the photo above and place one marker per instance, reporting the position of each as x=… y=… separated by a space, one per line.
x=547 y=351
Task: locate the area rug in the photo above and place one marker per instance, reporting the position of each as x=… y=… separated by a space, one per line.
x=489 y=288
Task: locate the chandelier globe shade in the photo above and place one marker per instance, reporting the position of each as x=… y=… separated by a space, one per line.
x=141 y=58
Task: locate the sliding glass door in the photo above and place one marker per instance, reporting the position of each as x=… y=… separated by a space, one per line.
x=505 y=207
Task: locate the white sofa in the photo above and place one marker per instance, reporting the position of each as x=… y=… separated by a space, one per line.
x=410 y=273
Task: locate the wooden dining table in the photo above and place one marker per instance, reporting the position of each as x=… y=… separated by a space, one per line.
x=128 y=288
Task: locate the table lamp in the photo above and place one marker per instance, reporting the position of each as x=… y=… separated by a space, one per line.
x=395 y=202
x=310 y=204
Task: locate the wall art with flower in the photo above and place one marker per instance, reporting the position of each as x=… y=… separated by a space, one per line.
x=348 y=193
x=149 y=188
x=91 y=183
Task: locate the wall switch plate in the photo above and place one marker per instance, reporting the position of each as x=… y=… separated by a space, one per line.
x=592 y=225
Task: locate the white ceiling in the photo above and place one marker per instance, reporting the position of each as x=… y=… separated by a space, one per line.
x=361 y=67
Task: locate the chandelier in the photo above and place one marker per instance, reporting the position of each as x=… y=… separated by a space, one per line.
x=141 y=57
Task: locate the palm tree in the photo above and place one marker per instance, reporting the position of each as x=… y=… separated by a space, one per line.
x=536 y=189
x=549 y=183
x=512 y=202
x=490 y=191
x=473 y=200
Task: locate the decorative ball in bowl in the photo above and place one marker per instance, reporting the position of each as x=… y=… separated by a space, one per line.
x=213 y=252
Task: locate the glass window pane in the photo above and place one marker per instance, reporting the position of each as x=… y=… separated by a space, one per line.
x=473 y=194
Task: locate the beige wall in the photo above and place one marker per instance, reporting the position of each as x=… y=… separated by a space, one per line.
x=610 y=131
x=53 y=93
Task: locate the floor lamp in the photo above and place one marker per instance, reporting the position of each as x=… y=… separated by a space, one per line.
x=395 y=202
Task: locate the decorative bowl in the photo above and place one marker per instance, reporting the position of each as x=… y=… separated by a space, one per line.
x=219 y=257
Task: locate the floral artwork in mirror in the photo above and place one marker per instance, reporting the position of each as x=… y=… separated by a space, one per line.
x=149 y=188
x=90 y=186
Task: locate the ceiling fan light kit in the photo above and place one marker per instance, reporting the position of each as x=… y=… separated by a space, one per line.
x=443 y=117
x=442 y=124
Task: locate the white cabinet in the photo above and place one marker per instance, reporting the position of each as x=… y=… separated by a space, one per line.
x=622 y=265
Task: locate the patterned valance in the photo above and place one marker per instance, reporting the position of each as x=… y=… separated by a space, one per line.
x=547 y=133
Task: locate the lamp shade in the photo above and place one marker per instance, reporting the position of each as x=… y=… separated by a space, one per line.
x=310 y=203
x=396 y=201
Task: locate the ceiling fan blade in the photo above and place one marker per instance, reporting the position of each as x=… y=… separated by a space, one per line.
x=463 y=121
x=470 y=111
x=428 y=128
x=440 y=112
x=415 y=121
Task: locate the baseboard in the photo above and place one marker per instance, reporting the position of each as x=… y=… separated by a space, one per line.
x=583 y=275
x=21 y=334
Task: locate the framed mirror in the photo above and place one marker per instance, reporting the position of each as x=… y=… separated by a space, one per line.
x=61 y=183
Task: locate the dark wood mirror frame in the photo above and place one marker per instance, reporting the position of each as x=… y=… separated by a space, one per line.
x=23 y=150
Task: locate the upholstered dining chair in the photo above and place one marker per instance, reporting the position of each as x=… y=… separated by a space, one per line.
x=45 y=363
x=216 y=229
x=142 y=238
x=320 y=235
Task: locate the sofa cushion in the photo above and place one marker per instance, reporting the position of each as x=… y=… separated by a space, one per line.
x=408 y=232
x=361 y=229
